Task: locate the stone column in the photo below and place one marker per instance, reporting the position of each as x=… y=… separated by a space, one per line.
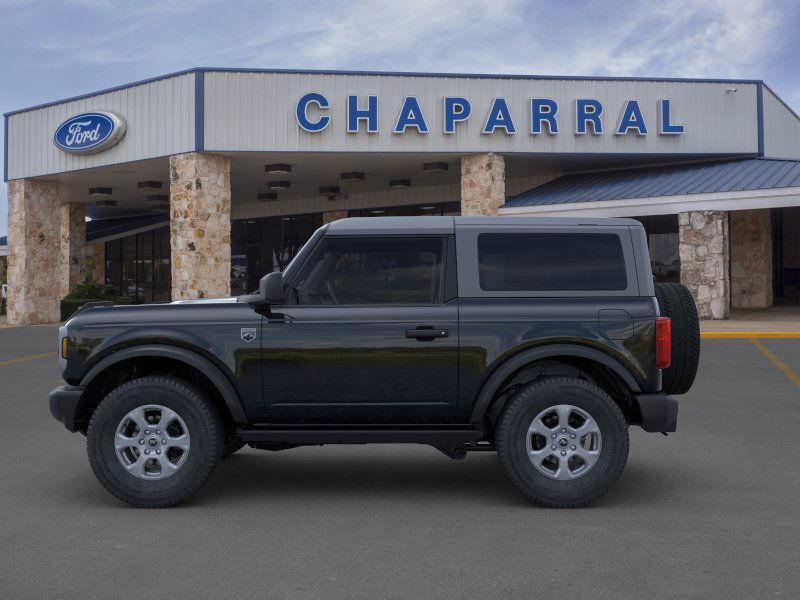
x=200 y=225
x=33 y=252
x=703 y=247
x=72 y=237
x=751 y=258
x=483 y=184
x=96 y=257
x=333 y=215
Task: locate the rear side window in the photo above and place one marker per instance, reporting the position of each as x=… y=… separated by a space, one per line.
x=551 y=262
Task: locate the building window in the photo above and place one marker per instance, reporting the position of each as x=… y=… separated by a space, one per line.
x=261 y=246
x=416 y=210
x=138 y=266
x=662 y=241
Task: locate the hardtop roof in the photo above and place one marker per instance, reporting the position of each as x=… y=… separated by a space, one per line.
x=443 y=225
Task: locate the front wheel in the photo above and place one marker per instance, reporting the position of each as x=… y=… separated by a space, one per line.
x=154 y=441
x=563 y=441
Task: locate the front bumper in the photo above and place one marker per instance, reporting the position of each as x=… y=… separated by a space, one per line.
x=659 y=412
x=66 y=404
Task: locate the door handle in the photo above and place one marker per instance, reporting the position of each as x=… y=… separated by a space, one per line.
x=426 y=332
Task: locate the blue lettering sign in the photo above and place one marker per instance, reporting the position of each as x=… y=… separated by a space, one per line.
x=544 y=110
x=499 y=117
x=410 y=116
x=588 y=111
x=631 y=118
x=301 y=112
x=665 y=127
x=455 y=110
x=90 y=132
x=369 y=114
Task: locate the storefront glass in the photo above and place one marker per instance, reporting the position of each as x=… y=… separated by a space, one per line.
x=417 y=210
x=261 y=246
x=138 y=266
x=662 y=241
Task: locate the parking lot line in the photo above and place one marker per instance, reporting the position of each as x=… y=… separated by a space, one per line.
x=750 y=335
x=11 y=361
x=779 y=364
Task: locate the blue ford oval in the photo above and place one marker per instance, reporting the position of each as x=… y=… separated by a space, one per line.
x=89 y=132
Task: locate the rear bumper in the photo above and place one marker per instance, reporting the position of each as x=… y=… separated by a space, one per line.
x=66 y=402
x=659 y=412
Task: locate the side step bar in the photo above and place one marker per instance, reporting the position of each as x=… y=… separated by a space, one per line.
x=363 y=436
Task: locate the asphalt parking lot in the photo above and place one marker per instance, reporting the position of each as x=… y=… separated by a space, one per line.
x=712 y=511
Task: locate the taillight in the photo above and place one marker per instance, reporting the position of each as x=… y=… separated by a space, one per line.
x=663 y=342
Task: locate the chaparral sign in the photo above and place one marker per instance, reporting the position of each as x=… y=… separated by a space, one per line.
x=90 y=132
x=588 y=116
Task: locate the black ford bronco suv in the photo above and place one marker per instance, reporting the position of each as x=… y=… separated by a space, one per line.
x=540 y=338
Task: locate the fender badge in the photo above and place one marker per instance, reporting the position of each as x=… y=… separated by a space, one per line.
x=248 y=334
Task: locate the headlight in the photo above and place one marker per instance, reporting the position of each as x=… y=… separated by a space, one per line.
x=62 y=348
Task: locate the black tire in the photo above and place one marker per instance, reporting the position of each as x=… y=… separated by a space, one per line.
x=512 y=429
x=232 y=445
x=204 y=428
x=675 y=301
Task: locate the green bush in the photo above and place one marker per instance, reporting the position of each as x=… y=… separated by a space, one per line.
x=71 y=305
x=88 y=291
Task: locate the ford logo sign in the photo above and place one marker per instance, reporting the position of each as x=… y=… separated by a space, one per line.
x=90 y=132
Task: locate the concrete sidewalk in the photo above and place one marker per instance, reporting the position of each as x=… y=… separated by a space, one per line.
x=768 y=320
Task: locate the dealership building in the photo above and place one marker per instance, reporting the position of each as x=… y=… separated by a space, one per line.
x=195 y=184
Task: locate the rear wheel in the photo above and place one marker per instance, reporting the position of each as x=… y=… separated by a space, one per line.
x=154 y=441
x=675 y=301
x=562 y=441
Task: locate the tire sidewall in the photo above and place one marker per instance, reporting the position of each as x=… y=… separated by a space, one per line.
x=188 y=403
x=532 y=400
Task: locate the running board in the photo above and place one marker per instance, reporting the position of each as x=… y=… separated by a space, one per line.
x=363 y=436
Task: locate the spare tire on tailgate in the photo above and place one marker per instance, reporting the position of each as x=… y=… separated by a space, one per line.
x=675 y=301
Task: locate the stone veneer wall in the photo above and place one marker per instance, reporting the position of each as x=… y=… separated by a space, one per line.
x=200 y=225
x=483 y=184
x=333 y=215
x=703 y=248
x=751 y=258
x=72 y=241
x=33 y=252
x=96 y=258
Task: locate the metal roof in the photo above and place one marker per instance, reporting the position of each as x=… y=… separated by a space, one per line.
x=671 y=180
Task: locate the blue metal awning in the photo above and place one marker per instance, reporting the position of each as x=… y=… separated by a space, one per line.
x=671 y=180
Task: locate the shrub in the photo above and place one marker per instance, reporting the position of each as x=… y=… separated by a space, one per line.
x=88 y=291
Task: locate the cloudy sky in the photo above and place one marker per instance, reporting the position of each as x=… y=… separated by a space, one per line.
x=60 y=48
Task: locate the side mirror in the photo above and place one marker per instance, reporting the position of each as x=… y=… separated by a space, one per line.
x=270 y=288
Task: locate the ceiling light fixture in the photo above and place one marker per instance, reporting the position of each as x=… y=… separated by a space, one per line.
x=279 y=185
x=100 y=191
x=435 y=167
x=267 y=196
x=158 y=198
x=352 y=176
x=277 y=168
x=399 y=183
x=329 y=189
x=149 y=185
x=106 y=203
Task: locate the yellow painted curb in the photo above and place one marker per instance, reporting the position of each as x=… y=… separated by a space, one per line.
x=749 y=335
